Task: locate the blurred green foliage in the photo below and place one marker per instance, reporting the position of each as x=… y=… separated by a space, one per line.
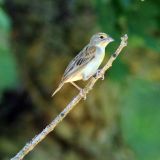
x=134 y=79
x=139 y=19
x=140 y=112
x=8 y=70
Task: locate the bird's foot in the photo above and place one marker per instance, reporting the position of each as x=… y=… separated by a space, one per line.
x=83 y=94
x=99 y=74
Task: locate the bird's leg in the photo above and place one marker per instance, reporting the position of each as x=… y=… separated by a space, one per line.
x=76 y=86
x=98 y=74
x=83 y=94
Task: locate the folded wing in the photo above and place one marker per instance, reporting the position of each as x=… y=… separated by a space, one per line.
x=80 y=61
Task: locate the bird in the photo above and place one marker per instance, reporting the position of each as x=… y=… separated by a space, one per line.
x=86 y=63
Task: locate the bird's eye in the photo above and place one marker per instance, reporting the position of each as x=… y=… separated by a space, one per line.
x=101 y=37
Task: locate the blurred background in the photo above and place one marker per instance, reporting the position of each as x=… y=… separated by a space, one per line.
x=120 y=118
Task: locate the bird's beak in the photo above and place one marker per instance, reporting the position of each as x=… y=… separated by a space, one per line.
x=106 y=41
x=110 y=39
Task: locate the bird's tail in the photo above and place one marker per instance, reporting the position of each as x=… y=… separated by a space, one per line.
x=58 y=88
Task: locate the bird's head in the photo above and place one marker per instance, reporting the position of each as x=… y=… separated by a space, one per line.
x=101 y=39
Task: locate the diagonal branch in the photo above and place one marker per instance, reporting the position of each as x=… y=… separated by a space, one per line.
x=38 y=138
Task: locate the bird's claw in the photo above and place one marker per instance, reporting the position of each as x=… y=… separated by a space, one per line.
x=102 y=77
x=83 y=94
x=99 y=74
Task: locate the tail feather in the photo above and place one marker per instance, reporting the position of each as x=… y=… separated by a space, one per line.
x=58 y=88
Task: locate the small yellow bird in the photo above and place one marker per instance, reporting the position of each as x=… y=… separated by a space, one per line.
x=86 y=63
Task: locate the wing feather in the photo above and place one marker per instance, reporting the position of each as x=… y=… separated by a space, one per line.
x=80 y=61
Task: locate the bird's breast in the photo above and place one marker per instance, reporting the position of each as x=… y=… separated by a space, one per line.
x=94 y=64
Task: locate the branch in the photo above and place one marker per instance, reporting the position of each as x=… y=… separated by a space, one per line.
x=38 y=138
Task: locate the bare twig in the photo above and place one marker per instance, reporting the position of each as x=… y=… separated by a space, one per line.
x=38 y=138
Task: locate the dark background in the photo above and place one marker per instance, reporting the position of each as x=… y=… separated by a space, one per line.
x=120 y=118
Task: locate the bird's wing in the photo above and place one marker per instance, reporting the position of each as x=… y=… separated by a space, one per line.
x=80 y=61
